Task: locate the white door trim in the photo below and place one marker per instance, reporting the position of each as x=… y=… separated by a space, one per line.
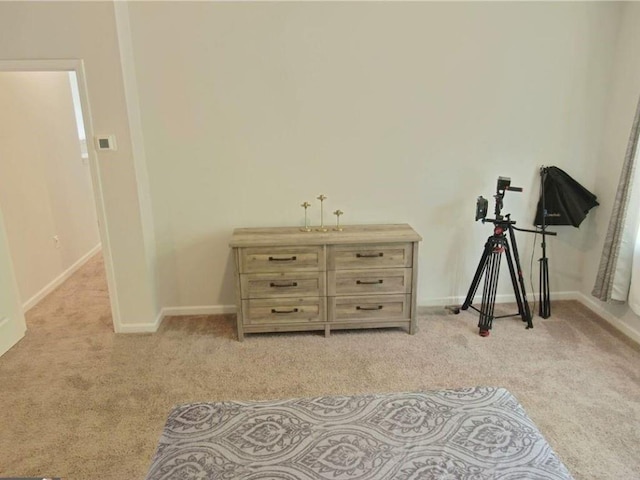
x=77 y=66
x=13 y=326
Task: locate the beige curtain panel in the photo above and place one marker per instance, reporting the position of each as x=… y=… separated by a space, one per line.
x=614 y=274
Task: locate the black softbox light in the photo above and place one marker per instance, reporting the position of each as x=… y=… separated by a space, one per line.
x=566 y=201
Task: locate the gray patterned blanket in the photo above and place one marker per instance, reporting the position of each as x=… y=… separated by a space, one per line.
x=476 y=434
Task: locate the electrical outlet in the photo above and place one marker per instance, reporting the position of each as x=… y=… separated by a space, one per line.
x=56 y=241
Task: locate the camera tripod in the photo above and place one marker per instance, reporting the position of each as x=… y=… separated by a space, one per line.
x=502 y=241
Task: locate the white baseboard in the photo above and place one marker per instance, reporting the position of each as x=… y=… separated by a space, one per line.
x=56 y=282
x=198 y=310
x=142 y=327
x=176 y=311
x=615 y=322
x=503 y=298
x=591 y=304
x=422 y=308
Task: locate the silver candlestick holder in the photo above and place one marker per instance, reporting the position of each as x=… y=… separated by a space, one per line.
x=306 y=228
x=337 y=213
x=322 y=228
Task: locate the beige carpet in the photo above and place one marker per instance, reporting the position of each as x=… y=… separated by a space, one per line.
x=80 y=402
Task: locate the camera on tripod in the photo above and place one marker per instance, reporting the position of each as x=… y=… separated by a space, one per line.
x=482 y=204
x=503 y=241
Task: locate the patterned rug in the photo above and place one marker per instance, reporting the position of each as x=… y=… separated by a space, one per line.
x=475 y=434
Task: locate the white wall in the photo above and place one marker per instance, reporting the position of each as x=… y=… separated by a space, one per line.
x=87 y=31
x=45 y=188
x=620 y=114
x=398 y=112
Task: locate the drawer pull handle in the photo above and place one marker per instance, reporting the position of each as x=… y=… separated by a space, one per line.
x=283 y=285
x=378 y=307
x=375 y=282
x=369 y=255
x=275 y=310
x=287 y=259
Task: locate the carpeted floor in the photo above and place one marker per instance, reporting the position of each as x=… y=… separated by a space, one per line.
x=80 y=402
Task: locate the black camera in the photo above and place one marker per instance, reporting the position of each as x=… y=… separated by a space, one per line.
x=482 y=204
x=503 y=184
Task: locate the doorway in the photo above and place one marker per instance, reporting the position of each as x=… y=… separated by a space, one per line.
x=69 y=227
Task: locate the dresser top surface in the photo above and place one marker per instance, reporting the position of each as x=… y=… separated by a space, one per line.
x=274 y=236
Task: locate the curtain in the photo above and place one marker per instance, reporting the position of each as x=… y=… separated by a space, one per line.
x=634 y=289
x=613 y=281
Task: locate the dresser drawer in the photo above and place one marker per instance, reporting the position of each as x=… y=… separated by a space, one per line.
x=279 y=285
x=369 y=281
x=391 y=307
x=283 y=311
x=363 y=276
x=370 y=256
x=281 y=259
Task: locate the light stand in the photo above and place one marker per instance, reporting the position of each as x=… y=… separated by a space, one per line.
x=545 y=300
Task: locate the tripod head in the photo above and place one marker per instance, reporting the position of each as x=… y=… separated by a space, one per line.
x=482 y=204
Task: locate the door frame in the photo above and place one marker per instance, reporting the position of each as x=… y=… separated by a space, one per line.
x=77 y=66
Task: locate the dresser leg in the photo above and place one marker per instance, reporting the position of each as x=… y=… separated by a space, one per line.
x=240 y=330
x=327 y=330
x=412 y=327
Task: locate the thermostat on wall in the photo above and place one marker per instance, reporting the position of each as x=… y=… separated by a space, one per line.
x=106 y=142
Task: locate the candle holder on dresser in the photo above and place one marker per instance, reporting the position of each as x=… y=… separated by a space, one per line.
x=306 y=228
x=337 y=213
x=322 y=228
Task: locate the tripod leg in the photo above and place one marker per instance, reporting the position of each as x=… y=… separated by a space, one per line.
x=545 y=303
x=479 y=271
x=541 y=289
x=489 y=291
x=546 y=288
x=514 y=282
x=526 y=314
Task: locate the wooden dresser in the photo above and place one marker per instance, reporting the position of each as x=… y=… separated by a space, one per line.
x=364 y=276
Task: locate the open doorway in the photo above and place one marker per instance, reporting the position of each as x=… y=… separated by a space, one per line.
x=50 y=211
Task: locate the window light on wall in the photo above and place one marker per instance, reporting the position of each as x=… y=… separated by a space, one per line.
x=75 y=95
